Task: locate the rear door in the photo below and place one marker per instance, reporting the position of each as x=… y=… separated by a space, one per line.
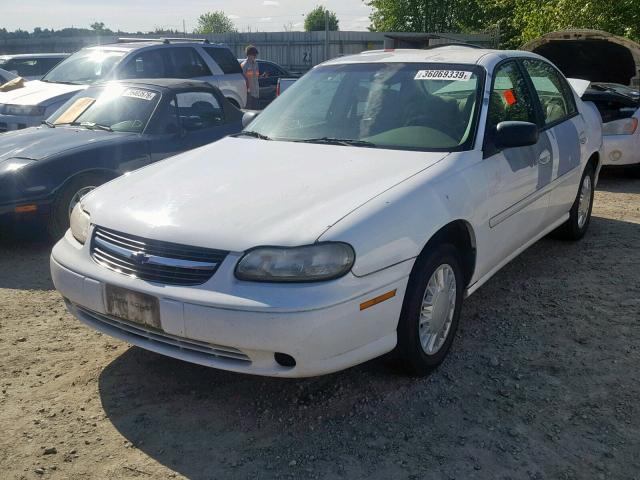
x=517 y=205
x=559 y=173
x=186 y=62
x=230 y=81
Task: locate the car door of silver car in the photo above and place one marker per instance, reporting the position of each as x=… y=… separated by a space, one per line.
x=565 y=128
x=516 y=203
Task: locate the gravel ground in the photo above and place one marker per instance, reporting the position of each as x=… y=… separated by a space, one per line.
x=542 y=382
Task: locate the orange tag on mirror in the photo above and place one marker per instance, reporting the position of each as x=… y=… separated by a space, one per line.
x=76 y=109
x=509 y=97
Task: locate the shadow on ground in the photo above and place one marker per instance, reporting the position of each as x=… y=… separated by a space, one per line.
x=24 y=256
x=515 y=398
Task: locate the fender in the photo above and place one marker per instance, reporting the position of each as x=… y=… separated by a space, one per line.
x=446 y=196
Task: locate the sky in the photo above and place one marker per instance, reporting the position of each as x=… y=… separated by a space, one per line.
x=146 y=15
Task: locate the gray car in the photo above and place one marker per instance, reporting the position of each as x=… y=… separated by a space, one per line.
x=127 y=59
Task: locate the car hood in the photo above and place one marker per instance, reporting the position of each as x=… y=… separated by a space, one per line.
x=39 y=93
x=240 y=192
x=39 y=143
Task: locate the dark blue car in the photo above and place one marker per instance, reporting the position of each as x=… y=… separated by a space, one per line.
x=101 y=133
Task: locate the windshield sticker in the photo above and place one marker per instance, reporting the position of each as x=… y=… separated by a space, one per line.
x=74 y=111
x=444 y=75
x=137 y=93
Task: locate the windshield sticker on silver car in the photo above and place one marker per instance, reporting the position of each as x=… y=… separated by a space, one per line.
x=137 y=93
x=443 y=75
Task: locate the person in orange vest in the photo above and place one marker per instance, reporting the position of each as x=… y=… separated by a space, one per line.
x=252 y=74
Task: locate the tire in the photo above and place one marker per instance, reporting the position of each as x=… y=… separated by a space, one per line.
x=415 y=358
x=579 y=218
x=58 y=218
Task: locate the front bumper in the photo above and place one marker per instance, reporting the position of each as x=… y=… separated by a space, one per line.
x=18 y=122
x=621 y=150
x=239 y=326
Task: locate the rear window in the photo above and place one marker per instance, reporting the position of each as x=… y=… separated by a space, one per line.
x=225 y=59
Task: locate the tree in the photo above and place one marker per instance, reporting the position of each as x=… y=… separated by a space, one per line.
x=98 y=27
x=214 y=22
x=517 y=20
x=314 y=21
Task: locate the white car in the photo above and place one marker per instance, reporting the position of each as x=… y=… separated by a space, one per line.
x=350 y=218
x=619 y=107
x=31 y=66
x=128 y=59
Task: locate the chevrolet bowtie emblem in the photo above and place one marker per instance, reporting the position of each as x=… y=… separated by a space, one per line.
x=140 y=257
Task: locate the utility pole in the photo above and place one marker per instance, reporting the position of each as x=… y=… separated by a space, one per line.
x=184 y=28
x=326 y=35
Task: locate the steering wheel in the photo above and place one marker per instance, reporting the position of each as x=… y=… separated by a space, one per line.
x=427 y=120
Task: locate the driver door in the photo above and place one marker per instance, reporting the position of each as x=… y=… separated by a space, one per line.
x=517 y=206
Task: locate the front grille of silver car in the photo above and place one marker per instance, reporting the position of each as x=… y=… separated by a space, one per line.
x=138 y=334
x=154 y=260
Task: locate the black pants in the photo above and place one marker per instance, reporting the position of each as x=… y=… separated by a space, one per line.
x=252 y=103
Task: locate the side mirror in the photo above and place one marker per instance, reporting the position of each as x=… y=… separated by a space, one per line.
x=248 y=117
x=515 y=134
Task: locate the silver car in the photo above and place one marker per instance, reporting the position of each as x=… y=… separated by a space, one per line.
x=127 y=59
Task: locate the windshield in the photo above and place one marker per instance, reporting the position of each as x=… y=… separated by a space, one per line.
x=85 y=67
x=413 y=106
x=114 y=107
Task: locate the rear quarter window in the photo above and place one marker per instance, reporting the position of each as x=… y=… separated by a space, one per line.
x=227 y=62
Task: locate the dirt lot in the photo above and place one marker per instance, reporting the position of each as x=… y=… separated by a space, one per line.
x=543 y=382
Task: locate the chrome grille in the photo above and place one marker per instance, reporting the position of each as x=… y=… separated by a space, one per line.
x=154 y=260
x=145 y=337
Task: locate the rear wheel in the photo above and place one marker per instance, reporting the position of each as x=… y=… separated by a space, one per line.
x=580 y=215
x=431 y=310
x=66 y=199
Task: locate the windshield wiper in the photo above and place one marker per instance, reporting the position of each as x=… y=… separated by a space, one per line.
x=351 y=142
x=249 y=133
x=96 y=126
x=48 y=124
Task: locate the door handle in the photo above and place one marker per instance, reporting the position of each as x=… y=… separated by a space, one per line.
x=545 y=157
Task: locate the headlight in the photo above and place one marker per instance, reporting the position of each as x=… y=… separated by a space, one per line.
x=626 y=126
x=26 y=110
x=80 y=222
x=14 y=164
x=312 y=263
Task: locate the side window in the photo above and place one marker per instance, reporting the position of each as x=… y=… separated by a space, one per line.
x=198 y=110
x=46 y=64
x=148 y=64
x=227 y=62
x=268 y=70
x=556 y=99
x=510 y=98
x=186 y=63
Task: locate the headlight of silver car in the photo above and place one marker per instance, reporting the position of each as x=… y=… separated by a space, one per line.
x=625 y=126
x=311 y=263
x=26 y=110
x=80 y=222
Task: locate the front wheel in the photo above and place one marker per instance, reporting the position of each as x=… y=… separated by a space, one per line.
x=431 y=310
x=580 y=214
x=66 y=199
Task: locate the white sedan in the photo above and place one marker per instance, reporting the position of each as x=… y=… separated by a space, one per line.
x=349 y=219
x=619 y=107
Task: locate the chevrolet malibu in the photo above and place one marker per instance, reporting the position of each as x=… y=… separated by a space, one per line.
x=348 y=220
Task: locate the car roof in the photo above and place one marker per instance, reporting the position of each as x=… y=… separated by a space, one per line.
x=137 y=45
x=163 y=83
x=35 y=55
x=457 y=53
